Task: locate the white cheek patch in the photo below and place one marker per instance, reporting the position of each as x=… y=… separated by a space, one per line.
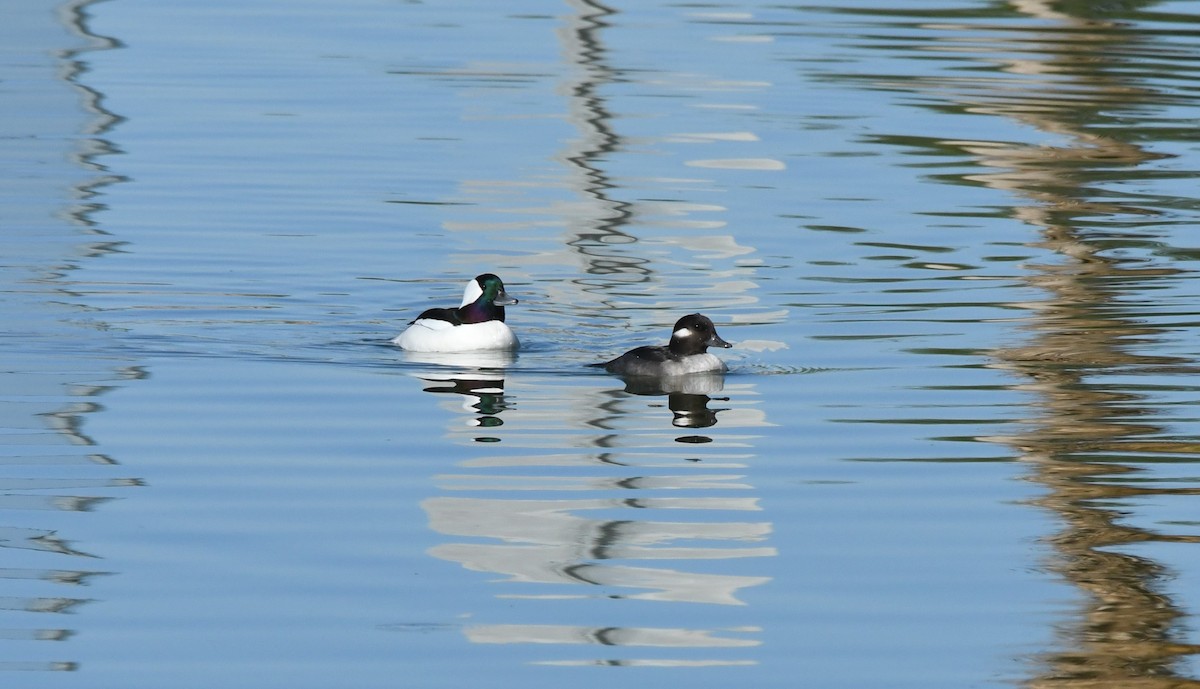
x=472 y=292
x=682 y=333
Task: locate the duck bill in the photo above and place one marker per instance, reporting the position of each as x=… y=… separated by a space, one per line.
x=502 y=299
x=716 y=341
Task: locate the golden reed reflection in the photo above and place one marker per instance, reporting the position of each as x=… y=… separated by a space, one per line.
x=1129 y=632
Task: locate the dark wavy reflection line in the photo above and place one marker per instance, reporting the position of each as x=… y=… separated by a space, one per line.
x=74 y=15
x=48 y=379
x=1063 y=75
x=597 y=237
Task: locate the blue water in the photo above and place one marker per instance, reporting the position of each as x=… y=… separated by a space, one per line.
x=952 y=243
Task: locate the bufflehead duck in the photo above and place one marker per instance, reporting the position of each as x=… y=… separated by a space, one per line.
x=686 y=353
x=476 y=325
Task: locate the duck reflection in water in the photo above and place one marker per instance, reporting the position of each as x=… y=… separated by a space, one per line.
x=477 y=376
x=687 y=397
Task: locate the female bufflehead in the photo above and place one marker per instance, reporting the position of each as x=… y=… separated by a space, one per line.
x=686 y=353
x=477 y=324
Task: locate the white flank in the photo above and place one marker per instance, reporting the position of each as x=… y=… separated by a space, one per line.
x=429 y=335
x=696 y=363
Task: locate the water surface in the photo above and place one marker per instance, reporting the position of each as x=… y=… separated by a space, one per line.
x=956 y=445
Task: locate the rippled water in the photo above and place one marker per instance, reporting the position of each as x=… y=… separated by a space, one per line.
x=957 y=445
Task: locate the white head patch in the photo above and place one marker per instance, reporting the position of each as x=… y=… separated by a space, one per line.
x=472 y=292
x=682 y=333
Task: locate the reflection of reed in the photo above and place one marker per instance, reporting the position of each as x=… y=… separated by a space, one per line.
x=74 y=16
x=617 y=260
x=614 y=636
x=43 y=404
x=1129 y=633
x=546 y=542
x=598 y=235
x=609 y=265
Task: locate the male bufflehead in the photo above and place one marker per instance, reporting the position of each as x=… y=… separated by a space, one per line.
x=476 y=325
x=686 y=353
